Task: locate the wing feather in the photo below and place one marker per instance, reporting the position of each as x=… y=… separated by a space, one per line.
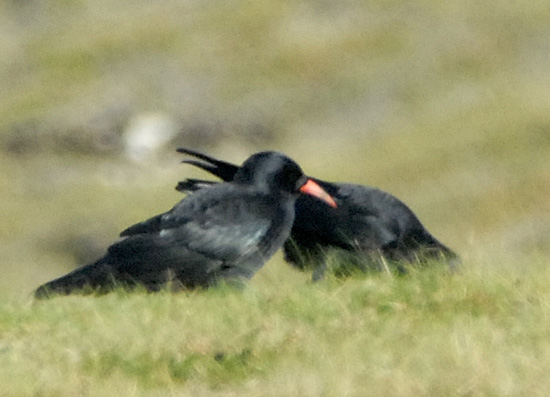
x=221 y=223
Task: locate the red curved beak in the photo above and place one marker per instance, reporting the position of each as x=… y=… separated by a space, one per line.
x=313 y=189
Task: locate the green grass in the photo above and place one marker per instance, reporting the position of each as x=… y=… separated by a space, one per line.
x=444 y=105
x=476 y=332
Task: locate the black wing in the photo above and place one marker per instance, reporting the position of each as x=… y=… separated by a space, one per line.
x=213 y=229
x=361 y=219
x=222 y=222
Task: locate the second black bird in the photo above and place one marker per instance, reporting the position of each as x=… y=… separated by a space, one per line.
x=368 y=221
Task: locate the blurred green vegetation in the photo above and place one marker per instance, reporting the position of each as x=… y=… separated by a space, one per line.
x=478 y=332
x=445 y=105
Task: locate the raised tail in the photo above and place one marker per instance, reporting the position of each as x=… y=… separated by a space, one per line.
x=223 y=170
x=96 y=277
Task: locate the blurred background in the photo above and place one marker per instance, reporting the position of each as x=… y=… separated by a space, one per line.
x=444 y=104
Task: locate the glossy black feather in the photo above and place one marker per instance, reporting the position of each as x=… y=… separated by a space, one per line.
x=368 y=221
x=226 y=232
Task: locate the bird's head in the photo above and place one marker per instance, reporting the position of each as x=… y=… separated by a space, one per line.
x=276 y=172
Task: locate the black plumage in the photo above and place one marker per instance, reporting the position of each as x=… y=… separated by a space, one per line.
x=226 y=232
x=367 y=221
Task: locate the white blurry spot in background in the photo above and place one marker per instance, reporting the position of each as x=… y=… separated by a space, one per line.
x=146 y=134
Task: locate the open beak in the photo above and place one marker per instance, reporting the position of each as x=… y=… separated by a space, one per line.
x=313 y=189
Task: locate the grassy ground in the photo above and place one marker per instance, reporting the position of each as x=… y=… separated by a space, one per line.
x=480 y=332
x=444 y=105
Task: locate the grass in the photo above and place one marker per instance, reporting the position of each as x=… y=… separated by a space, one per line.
x=444 y=105
x=476 y=332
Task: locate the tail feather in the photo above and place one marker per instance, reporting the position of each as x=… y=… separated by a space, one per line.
x=431 y=248
x=94 y=277
x=222 y=169
x=203 y=166
x=192 y=185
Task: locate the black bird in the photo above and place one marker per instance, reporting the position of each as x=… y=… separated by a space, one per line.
x=226 y=232
x=367 y=220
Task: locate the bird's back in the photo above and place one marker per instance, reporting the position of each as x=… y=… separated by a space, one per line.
x=224 y=231
x=367 y=219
